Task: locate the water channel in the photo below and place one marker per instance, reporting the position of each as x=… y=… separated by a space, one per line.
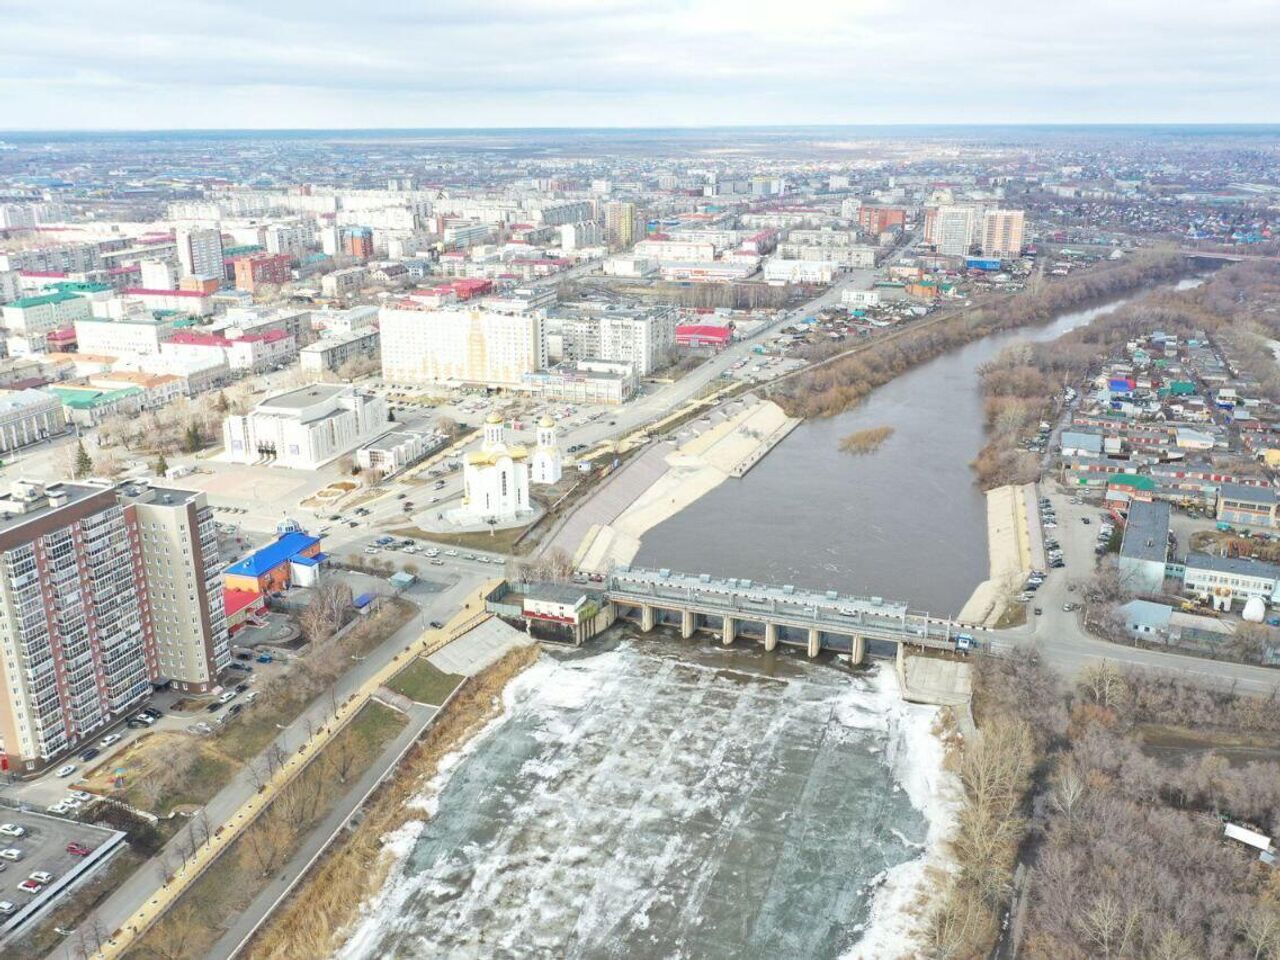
x=907 y=522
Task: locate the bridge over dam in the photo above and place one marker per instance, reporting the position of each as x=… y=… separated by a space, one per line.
x=732 y=609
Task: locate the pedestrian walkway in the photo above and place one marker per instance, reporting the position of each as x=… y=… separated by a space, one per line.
x=472 y=652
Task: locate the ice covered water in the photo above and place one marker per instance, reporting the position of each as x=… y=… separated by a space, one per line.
x=666 y=800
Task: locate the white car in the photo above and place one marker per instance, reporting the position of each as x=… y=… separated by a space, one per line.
x=12 y=830
x=6 y=908
x=109 y=739
x=66 y=770
x=12 y=853
x=80 y=795
x=60 y=808
x=227 y=697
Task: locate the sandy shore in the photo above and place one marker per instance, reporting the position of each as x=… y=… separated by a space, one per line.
x=724 y=449
x=1012 y=519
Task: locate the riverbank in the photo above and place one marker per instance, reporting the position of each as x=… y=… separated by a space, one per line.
x=1013 y=517
x=723 y=445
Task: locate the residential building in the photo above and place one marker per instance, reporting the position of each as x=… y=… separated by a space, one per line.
x=263 y=268
x=158 y=275
x=200 y=251
x=642 y=338
x=343 y=283
x=621 y=223
x=305 y=428
x=293 y=238
x=29 y=416
x=460 y=346
x=338 y=323
x=141 y=333
x=953 y=229
x=243 y=354
x=1144 y=551
x=586 y=381
x=675 y=249
x=29 y=320
x=1002 y=233
x=178 y=537
x=10 y=285
x=191 y=303
x=358 y=242
x=76 y=647
x=328 y=354
x=877 y=220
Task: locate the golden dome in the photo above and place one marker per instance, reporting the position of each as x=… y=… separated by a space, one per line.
x=494 y=417
x=546 y=423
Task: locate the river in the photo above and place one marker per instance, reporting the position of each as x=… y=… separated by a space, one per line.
x=907 y=522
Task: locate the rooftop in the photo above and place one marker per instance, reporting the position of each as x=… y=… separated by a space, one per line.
x=303 y=397
x=1233 y=565
x=272 y=555
x=1146 y=533
x=26 y=500
x=1240 y=492
x=41 y=301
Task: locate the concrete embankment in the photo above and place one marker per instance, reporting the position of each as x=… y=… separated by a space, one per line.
x=1013 y=549
x=724 y=446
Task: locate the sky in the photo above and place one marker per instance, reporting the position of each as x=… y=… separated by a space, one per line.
x=199 y=64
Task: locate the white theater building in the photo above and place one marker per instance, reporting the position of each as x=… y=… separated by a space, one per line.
x=305 y=428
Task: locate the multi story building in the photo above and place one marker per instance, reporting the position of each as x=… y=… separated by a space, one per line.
x=259 y=268
x=58 y=258
x=640 y=337
x=343 y=283
x=328 y=354
x=158 y=275
x=178 y=537
x=31 y=318
x=247 y=353
x=621 y=223
x=29 y=416
x=76 y=648
x=200 y=251
x=952 y=230
x=293 y=239
x=358 y=242
x=138 y=333
x=876 y=220
x=675 y=250
x=460 y=346
x=305 y=428
x=1002 y=233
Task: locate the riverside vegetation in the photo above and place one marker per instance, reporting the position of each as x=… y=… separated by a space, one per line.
x=1123 y=843
x=843 y=383
x=1237 y=307
x=866 y=441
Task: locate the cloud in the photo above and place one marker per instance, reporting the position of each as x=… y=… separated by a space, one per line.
x=289 y=63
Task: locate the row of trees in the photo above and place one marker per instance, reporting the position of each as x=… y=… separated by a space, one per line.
x=837 y=386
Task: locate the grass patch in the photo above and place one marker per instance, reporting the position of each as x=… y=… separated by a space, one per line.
x=191 y=927
x=424 y=682
x=1014 y=615
x=500 y=541
x=865 y=441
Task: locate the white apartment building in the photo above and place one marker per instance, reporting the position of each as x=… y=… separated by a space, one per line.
x=329 y=353
x=294 y=238
x=29 y=416
x=463 y=234
x=574 y=236
x=200 y=252
x=953 y=230
x=305 y=428
x=1002 y=233
x=159 y=275
x=341 y=322
x=856 y=257
x=460 y=346
x=779 y=271
x=824 y=238
x=178 y=536
x=33 y=316
x=10 y=285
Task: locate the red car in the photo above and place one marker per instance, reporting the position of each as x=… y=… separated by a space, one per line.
x=78 y=849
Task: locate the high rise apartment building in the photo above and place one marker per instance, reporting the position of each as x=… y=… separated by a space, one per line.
x=951 y=230
x=621 y=223
x=461 y=346
x=200 y=252
x=78 y=621
x=1002 y=233
x=178 y=536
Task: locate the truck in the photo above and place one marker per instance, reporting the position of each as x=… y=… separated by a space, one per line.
x=965 y=642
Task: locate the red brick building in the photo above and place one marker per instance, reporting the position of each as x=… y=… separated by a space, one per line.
x=876 y=220
x=259 y=268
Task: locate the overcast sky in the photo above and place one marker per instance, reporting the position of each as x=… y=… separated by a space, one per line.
x=150 y=64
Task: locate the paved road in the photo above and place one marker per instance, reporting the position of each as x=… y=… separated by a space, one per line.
x=144 y=882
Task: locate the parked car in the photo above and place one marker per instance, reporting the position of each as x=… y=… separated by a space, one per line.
x=66 y=770
x=78 y=849
x=264 y=658
x=30 y=886
x=12 y=830
x=81 y=795
x=6 y=908
x=109 y=739
x=437 y=625
x=12 y=854
x=242 y=667
x=89 y=754
x=42 y=876
x=215 y=706
x=227 y=697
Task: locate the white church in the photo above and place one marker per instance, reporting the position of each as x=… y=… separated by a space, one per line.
x=496 y=478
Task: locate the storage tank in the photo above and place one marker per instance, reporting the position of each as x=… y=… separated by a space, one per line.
x=1254 y=610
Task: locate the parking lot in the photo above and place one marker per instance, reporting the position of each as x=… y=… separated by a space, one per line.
x=43 y=847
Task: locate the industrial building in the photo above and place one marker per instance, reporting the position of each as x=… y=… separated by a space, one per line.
x=1144 y=551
